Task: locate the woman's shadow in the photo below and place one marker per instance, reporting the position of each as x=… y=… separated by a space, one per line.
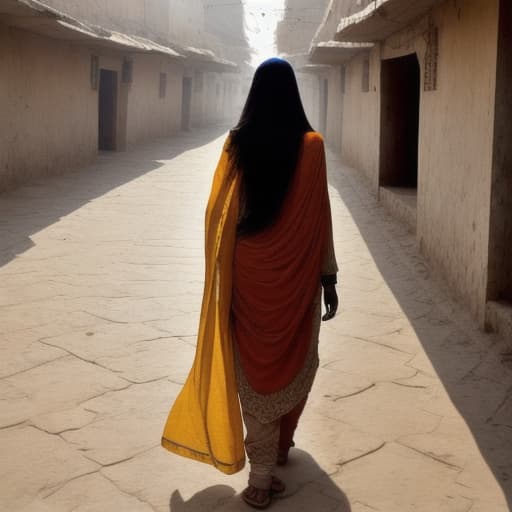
x=308 y=487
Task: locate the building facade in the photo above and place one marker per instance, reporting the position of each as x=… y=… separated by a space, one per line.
x=88 y=75
x=418 y=100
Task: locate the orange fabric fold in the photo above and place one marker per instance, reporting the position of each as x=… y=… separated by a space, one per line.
x=276 y=275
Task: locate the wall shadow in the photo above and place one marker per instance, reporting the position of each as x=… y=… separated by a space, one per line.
x=42 y=202
x=308 y=487
x=468 y=362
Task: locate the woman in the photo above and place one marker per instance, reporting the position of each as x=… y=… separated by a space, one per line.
x=269 y=252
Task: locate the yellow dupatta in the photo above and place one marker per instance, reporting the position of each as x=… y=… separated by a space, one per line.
x=205 y=423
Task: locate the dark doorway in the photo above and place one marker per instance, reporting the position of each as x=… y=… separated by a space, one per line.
x=186 y=103
x=500 y=235
x=324 y=98
x=107 y=129
x=400 y=112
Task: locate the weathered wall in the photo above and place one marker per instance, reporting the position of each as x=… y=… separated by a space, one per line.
x=361 y=117
x=310 y=95
x=455 y=160
x=335 y=104
x=49 y=111
x=299 y=24
x=148 y=115
x=455 y=138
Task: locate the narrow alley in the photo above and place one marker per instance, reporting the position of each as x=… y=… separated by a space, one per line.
x=101 y=274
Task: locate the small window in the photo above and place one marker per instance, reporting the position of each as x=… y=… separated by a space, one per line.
x=163 y=85
x=343 y=78
x=366 y=75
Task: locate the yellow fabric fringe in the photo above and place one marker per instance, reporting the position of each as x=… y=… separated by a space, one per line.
x=205 y=423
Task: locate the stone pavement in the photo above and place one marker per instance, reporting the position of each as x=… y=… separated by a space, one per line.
x=100 y=286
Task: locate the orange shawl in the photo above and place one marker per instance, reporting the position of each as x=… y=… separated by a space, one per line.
x=276 y=276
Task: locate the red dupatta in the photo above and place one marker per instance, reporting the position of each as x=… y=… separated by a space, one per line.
x=276 y=275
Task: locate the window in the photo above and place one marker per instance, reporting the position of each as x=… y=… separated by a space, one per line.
x=163 y=85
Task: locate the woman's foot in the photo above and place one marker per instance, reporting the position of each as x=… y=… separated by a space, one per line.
x=262 y=498
x=282 y=456
x=257 y=498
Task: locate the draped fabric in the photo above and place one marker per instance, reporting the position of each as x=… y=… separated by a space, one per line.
x=260 y=290
x=205 y=423
x=276 y=277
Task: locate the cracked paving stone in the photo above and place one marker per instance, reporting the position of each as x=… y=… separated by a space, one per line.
x=451 y=365
x=451 y=442
x=503 y=415
x=184 y=324
x=375 y=362
x=481 y=485
x=106 y=340
x=397 y=478
x=336 y=385
x=60 y=421
x=153 y=360
x=28 y=354
x=94 y=493
x=128 y=422
x=53 y=386
x=386 y=411
x=157 y=475
x=318 y=435
x=35 y=463
x=358 y=324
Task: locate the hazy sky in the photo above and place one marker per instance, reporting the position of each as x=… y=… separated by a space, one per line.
x=261 y=17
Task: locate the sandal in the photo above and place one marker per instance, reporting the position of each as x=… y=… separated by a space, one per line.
x=282 y=456
x=251 y=493
x=277 y=486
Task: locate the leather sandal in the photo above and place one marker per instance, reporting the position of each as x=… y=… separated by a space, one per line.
x=276 y=487
x=254 y=503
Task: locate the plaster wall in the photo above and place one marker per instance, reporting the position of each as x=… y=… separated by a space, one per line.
x=456 y=149
x=360 y=125
x=455 y=138
x=186 y=21
x=309 y=88
x=148 y=115
x=299 y=24
x=49 y=111
x=335 y=103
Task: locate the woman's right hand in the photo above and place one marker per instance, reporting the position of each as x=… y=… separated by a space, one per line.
x=330 y=301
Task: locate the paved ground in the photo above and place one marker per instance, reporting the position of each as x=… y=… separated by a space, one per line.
x=100 y=287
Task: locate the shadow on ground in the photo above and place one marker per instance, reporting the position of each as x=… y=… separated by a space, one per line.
x=33 y=207
x=467 y=361
x=308 y=489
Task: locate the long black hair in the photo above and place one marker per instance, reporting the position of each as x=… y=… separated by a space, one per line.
x=265 y=144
